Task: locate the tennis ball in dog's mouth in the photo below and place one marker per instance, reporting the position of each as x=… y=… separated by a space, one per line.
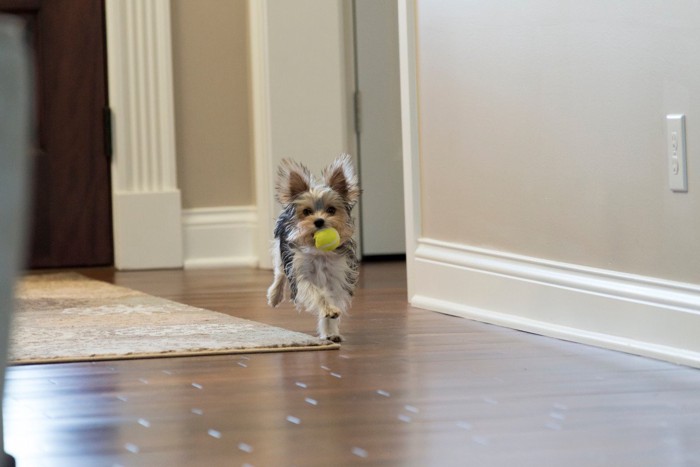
x=327 y=239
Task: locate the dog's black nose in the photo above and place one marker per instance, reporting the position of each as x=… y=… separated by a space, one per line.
x=319 y=223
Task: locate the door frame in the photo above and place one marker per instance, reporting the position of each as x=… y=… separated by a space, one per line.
x=270 y=108
x=379 y=109
x=408 y=75
x=146 y=203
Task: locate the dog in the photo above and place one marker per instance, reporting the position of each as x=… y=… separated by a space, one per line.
x=320 y=282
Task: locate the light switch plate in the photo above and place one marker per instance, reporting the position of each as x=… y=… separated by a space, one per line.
x=675 y=149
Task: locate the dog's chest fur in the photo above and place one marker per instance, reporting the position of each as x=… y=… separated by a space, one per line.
x=326 y=271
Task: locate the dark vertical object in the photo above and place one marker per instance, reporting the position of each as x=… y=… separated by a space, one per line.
x=7 y=460
x=71 y=219
x=107 y=121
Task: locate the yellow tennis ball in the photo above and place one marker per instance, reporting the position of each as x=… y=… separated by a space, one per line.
x=327 y=239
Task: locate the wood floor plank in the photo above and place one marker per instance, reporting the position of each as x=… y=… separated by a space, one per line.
x=408 y=387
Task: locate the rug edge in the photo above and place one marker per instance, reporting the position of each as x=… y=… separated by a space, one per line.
x=177 y=354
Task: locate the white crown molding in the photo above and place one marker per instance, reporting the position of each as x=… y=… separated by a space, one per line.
x=631 y=313
x=220 y=237
x=139 y=67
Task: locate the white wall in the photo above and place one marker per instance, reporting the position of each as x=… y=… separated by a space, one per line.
x=543 y=130
x=542 y=156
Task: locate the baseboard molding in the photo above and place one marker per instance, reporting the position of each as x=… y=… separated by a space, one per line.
x=220 y=237
x=147 y=230
x=630 y=313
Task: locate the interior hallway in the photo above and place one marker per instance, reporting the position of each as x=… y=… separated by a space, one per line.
x=408 y=387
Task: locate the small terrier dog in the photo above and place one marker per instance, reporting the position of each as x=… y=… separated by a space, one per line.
x=321 y=282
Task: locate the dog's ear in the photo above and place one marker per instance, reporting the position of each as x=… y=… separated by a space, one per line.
x=292 y=180
x=340 y=177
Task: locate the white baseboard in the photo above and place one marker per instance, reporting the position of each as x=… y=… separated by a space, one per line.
x=147 y=230
x=634 y=314
x=220 y=237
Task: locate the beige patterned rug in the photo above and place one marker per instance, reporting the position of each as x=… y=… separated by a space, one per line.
x=67 y=317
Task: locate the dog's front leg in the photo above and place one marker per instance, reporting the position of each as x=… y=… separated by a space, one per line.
x=329 y=322
x=329 y=328
x=315 y=301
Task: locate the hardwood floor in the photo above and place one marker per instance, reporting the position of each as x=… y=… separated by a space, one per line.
x=408 y=387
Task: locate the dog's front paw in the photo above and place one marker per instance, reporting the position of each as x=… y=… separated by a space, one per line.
x=337 y=338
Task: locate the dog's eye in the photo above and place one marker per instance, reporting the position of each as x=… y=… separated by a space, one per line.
x=307 y=212
x=330 y=210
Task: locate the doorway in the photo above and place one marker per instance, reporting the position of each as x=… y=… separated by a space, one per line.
x=379 y=128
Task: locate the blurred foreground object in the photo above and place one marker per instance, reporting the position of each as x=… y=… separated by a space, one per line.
x=15 y=85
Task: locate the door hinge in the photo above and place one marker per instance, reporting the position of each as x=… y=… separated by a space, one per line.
x=358 y=112
x=107 y=122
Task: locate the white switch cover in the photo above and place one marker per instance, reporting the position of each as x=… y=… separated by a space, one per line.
x=675 y=136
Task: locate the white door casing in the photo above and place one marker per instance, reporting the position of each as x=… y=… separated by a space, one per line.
x=146 y=202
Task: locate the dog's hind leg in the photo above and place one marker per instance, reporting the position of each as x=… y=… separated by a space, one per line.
x=275 y=293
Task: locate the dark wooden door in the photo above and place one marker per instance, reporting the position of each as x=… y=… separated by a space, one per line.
x=71 y=219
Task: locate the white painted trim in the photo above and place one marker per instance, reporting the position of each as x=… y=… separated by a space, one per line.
x=410 y=131
x=147 y=230
x=139 y=68
x=220 y=237
x=630 y=313
x=262 y=136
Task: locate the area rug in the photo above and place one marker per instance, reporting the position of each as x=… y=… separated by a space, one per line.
x=67 y=317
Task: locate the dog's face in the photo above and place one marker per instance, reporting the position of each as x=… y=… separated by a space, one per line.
x=318 y=205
